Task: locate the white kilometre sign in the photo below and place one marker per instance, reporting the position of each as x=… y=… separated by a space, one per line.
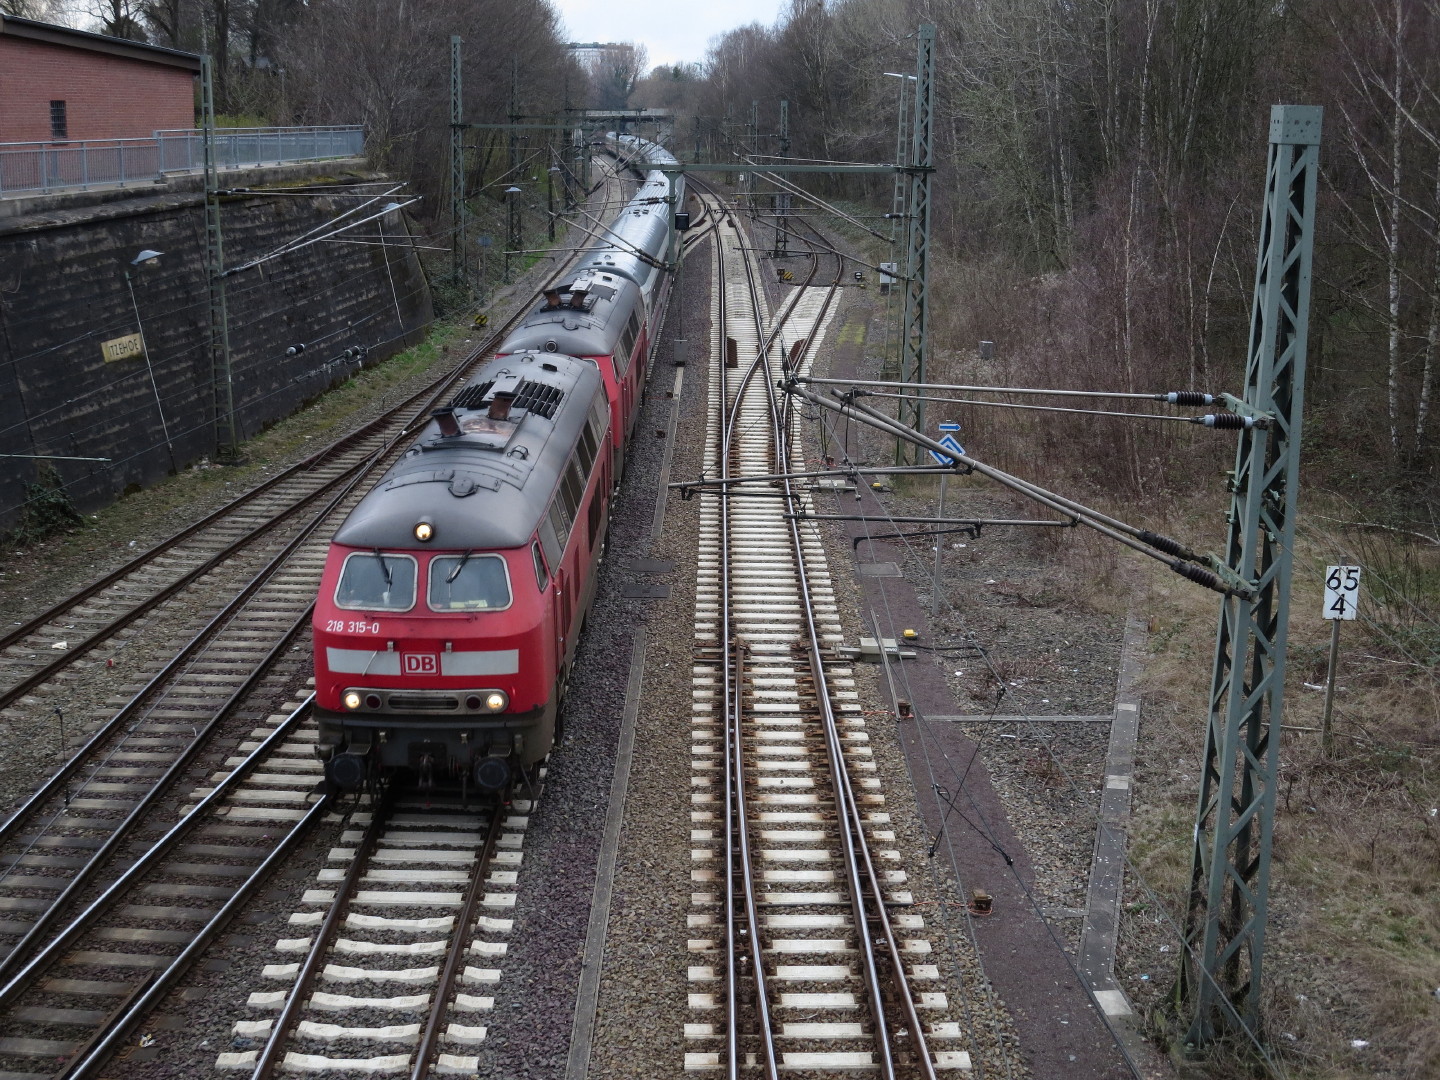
x=1342 y=592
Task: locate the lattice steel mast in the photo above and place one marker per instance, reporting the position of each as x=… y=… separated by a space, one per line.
x=1230 y=874
x=915 y=325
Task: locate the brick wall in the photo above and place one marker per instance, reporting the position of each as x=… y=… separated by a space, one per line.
x=107 y=97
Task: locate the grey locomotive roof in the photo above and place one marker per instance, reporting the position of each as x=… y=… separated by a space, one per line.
x=487 y=487
x=592 y=331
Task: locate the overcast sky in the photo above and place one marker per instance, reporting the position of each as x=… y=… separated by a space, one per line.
x=671 y=30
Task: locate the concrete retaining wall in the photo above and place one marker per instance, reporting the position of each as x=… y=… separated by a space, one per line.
x=63 y=292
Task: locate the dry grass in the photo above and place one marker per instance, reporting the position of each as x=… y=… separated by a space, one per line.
x=1353 y=951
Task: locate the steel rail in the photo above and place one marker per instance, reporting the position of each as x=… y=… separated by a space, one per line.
x=852 y=830
x=49 y=670
x=236 y=604
x=736 y=818
x=143 y=865
x=732 y=993
x=735 y=744
x=281 y=1029
x=87 y=873
x=474 y=893
x=836 y=760
x=120 y=1030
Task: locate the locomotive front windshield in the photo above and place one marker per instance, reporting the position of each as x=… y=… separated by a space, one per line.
x=376 y=582
x=469 y=583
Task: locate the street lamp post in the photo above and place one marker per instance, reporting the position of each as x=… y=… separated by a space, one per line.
x=550 y=200
x=147 y=256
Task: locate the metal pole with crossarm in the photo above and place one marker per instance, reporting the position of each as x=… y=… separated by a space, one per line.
x=915 y=326
x=227 y=435
x=1219 y=984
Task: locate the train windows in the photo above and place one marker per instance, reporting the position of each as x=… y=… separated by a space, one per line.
x=542 y=576
x=587 y=448
x=600 y=419
x=597 y=511
x=550 y=540
x=626 y=348
x=560 y=525
x=572 y=489
x=469 y=583
x=376 y=581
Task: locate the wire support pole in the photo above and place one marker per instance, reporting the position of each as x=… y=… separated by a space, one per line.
x=227 y=437
x=1221 y=965
x=915 y=329
x=457 y=163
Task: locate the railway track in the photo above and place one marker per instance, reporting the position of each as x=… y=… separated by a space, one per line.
x=228 y=600
x=81 y=994
x=810 y=962
x=407 y=924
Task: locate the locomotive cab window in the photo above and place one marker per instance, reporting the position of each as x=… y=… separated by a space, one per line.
x=469 y=583
x=376 y=581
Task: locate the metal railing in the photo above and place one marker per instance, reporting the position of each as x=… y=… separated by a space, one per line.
x=53 y=166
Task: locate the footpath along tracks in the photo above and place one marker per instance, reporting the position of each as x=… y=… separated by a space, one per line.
x=803 y=968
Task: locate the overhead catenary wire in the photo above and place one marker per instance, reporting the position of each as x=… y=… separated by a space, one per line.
x=1180 y=559
x=1175 y=397
x=1220 y=421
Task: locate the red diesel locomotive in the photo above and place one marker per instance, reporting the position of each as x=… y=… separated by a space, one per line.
x=453 y=594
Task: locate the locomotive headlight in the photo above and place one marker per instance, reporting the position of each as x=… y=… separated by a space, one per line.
x=351 y=699
x=424 y=531
x=495 y=701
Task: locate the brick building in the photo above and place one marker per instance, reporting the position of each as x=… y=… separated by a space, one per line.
x=60 y=84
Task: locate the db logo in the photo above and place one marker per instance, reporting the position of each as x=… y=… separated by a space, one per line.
x=420 y=663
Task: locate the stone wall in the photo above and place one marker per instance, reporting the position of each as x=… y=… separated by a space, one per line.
x=64 y=292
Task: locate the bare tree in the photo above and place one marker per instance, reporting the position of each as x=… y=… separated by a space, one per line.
x=615 y=68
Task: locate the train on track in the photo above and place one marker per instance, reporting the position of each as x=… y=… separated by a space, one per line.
x=454 y=593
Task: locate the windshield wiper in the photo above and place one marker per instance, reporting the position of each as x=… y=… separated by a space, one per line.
x=385 y=569
x=459 y=566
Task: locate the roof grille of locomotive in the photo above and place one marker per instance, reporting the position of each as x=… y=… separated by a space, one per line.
x=472 y=397
x=538 y=398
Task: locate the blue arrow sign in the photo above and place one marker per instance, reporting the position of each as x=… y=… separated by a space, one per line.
x=950 y=443
x=949 y=427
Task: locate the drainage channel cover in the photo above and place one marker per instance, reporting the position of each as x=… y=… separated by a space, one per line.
x=878 y=569
x=651 y=566
x=643 y=591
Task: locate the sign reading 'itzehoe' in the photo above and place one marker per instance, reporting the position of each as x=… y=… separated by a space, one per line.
x=122 y=348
